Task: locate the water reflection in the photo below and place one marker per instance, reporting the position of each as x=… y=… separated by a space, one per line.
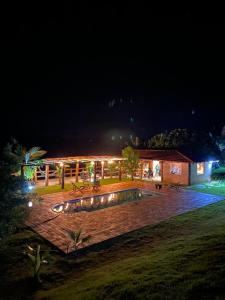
x=99 y=202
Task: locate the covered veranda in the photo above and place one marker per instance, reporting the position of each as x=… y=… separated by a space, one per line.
x=61 y=170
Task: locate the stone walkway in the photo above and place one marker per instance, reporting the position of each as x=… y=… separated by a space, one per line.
x=110 y=222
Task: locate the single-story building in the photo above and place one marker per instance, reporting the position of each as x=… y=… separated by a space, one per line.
x=167 y=166
x=172 y=166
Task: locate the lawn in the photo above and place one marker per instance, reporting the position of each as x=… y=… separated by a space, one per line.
x=216 y=187
x=182 y=258
x=213 y=187
x=68 y=186
x=220 y=170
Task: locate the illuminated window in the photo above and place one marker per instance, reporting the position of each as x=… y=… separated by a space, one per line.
x=175 y=168
x=200 y=168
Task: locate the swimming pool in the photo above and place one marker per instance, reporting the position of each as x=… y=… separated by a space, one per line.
x=102 y=201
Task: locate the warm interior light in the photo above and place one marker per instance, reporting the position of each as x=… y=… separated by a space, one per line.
x=61 y=164
x=92 y=163
x=110 y=161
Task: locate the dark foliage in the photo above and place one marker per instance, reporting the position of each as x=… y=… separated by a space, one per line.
x=13 y=197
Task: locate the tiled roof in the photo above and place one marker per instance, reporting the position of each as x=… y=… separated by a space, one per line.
x=169 y=155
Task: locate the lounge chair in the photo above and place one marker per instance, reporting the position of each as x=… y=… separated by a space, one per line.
x=80 y=189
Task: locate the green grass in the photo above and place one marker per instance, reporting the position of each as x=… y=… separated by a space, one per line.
x=216 y=187
x=220 y=170
x=68 y=186
x=213 y=187
x=182 y=258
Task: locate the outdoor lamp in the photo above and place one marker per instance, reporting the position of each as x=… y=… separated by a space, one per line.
x=30 y=204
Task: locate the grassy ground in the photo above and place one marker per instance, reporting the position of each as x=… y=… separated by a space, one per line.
x=68 y=186
x=216 y=187
x=213 y=187
x=220 y=170
x=182 y=258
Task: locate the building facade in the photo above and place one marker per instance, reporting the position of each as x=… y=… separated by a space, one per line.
x=173 y=167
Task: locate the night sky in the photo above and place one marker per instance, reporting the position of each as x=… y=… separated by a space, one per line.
x=79 y=79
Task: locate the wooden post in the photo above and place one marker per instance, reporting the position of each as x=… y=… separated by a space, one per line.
x=77 y=170
x=95 y=166
x=22 y=172
x=150 y=166
x=120 y=170
x=46 y=174
x=63 y=177
x=71 y=172
x=102 y=169
x=35 y=175
x=141 y=169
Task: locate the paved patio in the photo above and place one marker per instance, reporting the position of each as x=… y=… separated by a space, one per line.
x=110 y=222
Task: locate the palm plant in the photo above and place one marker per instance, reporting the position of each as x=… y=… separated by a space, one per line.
x=20 y=155
x=37 y=260
x=77 y=240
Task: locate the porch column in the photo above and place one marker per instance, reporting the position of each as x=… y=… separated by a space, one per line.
x=35 y=175
x=63 y=177
x=46 y=174
x=71 y=171
x=120 y=170
x=22 y=172
x=102 y=175
x=77 y=170
x=141 y=169
x=95 y=166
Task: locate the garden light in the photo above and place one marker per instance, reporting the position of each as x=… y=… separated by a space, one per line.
x=30 y=187
x=30 y=204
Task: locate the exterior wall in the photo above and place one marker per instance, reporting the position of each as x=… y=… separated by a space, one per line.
x=182 y=179
x=195 y=178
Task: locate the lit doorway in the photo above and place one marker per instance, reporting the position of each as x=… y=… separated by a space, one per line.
x=156 y=170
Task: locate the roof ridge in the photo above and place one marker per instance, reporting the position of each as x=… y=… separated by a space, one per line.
x=184 y=156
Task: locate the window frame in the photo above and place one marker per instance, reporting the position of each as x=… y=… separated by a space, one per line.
x=203 y=168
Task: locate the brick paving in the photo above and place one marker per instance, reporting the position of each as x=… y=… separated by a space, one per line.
x=113 y=221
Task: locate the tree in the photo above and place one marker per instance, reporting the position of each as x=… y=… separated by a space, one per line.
x=131 y=160
x=20 y=155
x=177 y=138
x=174 y=139
x=219 y=141
x=13 y=194
x=158 y=141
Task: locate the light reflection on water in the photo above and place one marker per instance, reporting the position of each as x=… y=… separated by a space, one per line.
x=99 y=202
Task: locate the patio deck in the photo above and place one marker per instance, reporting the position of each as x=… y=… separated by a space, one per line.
x=110 y=222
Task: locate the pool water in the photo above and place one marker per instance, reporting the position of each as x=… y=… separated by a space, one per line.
x=102 y=201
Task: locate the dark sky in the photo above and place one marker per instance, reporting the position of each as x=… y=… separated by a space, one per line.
x=73 y=77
